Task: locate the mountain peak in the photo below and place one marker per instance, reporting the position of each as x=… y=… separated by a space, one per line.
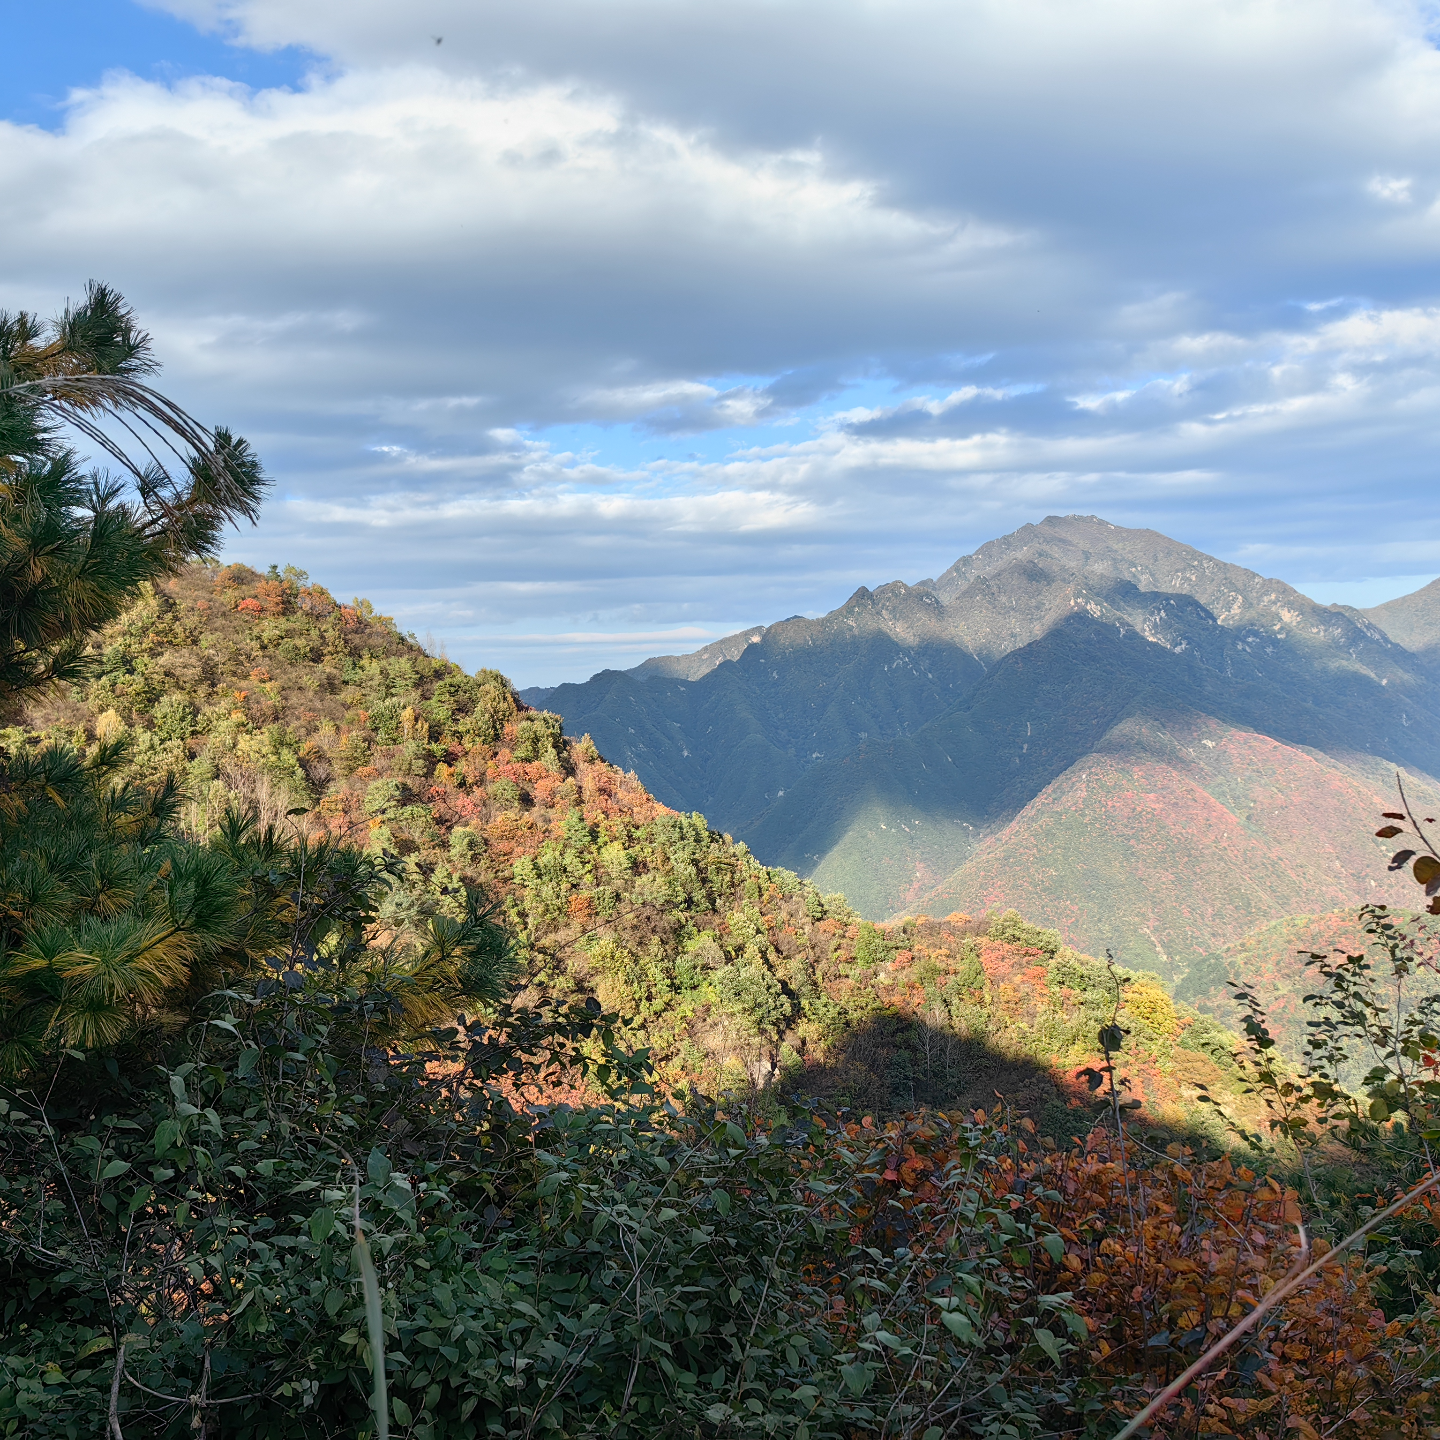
x=1413 y=620
x=698 y=662
x=877 y=746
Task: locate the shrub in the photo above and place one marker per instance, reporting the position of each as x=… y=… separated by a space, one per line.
x=871 y=947
x=382 y=796
x=505 y=794
x=539 y=737
x=1015 y=930
x=175 y=718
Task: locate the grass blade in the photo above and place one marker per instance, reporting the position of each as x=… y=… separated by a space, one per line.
x=375 y=1323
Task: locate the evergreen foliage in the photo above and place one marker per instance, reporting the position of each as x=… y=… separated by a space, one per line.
x=74 y=547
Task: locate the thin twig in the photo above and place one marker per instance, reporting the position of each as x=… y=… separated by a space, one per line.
x=1282 y=1291
x=197 y=1399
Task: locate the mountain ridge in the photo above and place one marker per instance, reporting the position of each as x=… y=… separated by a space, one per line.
x=879 y=749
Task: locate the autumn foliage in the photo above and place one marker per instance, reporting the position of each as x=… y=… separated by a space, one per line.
x=1158 y=1256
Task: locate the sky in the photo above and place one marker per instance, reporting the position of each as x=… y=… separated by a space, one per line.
x=576 y=331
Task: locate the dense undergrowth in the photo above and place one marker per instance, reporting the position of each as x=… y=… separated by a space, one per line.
x=625 y=1269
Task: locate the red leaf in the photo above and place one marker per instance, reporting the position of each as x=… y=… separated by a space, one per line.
x=1386 y=832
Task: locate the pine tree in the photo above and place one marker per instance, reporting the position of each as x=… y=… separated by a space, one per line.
x=76 y=545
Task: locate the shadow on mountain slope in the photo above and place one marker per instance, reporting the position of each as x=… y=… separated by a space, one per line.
x=734 y=743
x=897 y=1063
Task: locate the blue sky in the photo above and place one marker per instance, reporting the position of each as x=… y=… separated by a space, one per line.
x=596 y=331
x=53 y=49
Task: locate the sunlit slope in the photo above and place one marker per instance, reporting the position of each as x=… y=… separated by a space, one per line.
x=1413 y=621
x=1177 y=836
x=1271 y=960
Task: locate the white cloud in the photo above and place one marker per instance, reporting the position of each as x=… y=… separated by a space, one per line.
x=627 y=318
x=1392 y=188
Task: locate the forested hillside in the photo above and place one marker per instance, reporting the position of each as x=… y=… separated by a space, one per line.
x=268 y=692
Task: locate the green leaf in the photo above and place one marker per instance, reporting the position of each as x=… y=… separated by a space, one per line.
x=377 y=1167
x=1054 y=1246
x=1379 y=1110
x=100 y=1342
x=857 y=1378
x=322 y=1222
x=957 y=1322
x=550 y=1183
x=114 y=1168
x=401 y=1410
x=1049 y=1344
x=722 y=1201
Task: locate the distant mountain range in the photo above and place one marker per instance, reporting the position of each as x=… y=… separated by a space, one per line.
x=1119 y=735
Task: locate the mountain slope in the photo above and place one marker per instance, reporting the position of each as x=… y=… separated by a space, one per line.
x=736 y=741
x=1177 y=834
x=881 y=749
x=1412 y=621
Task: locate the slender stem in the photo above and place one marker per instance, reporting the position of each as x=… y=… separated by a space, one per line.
x=116 y=1433
x=375 y=1321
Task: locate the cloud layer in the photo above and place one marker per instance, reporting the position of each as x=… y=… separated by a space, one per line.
x=621 y=320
